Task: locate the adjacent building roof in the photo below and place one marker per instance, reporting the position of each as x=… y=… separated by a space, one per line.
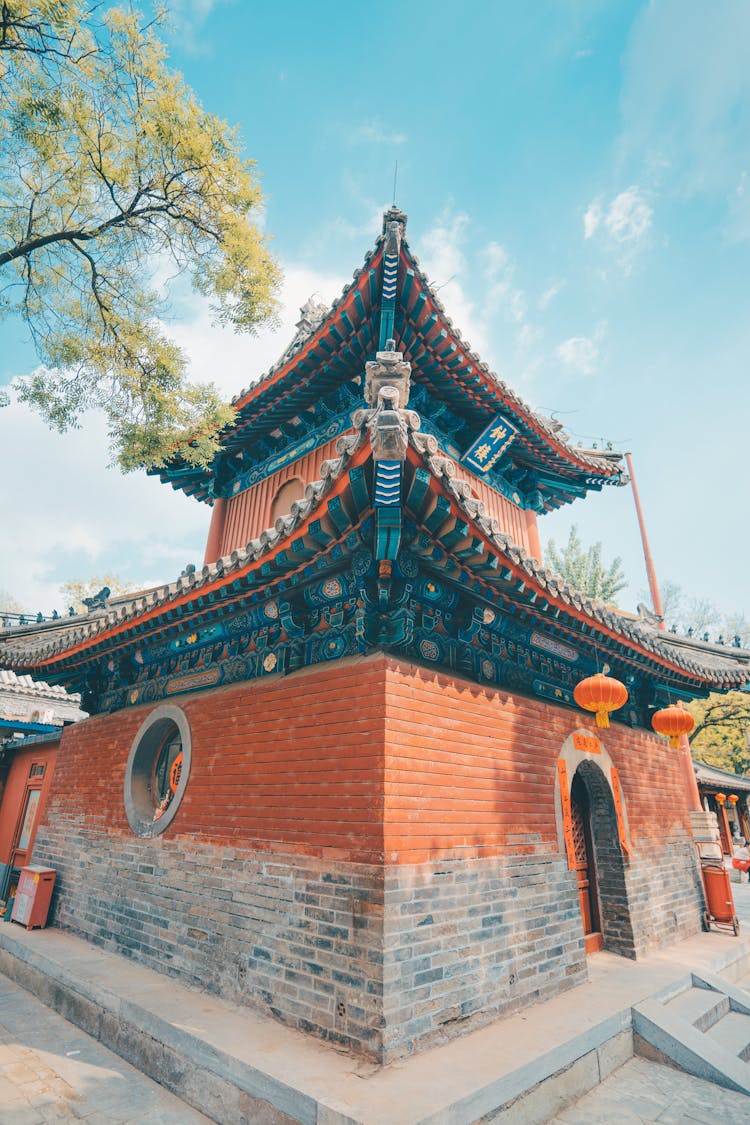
x=711 y=777
x=33 y=704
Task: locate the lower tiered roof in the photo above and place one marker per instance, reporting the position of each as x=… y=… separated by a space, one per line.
x=490 y=601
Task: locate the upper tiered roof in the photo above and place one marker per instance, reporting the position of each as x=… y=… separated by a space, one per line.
x=390 y=297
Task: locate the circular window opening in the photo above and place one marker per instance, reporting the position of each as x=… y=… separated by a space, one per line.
x=157 y=771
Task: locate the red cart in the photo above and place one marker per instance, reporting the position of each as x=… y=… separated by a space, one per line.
x=718 y=889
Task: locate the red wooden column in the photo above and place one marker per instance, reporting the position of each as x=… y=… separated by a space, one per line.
x=532 y=534
x=216 y=531
x=691 y=785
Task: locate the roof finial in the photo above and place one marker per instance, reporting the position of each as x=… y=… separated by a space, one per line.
x=394 y=214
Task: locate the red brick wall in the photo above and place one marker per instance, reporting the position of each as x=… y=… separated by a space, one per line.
x=318 y=760
x=295 y=760
x=471 y=770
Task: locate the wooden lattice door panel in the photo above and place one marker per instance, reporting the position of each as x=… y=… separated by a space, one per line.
x=584 y=861
x=579 y=836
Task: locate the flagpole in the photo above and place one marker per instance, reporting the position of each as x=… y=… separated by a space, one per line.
x=650 y=572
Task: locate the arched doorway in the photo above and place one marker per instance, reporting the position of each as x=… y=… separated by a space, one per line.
x=605 y=862
x=585 y=865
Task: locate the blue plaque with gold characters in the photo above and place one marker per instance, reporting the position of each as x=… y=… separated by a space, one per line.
x=490 y=445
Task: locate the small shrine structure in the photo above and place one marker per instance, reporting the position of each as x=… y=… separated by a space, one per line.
x=339 y=773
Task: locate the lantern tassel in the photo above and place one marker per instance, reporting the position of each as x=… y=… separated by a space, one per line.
x=602 y=719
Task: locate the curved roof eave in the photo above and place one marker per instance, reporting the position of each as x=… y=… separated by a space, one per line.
x=604 y=463
x=145 y=616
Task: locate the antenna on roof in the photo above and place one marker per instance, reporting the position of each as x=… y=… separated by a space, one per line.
x=395 y=177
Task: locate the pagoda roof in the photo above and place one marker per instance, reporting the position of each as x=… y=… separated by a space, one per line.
x=332 y=347
x=450 y=529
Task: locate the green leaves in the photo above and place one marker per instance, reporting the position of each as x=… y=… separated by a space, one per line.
x=722 y=731
x=585 y=570
x=109 y=164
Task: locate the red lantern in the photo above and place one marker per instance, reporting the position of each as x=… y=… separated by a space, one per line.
x=600 y=694
x=721 y=798
x=733 y=798
x=672 y=722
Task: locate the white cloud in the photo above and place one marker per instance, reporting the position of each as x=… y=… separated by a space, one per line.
x=480 y=294
x=592 y=218
x=503 y=295
x=550 y=293
x=373 y=131
x=629 y=216
x=233 y=361
x=581 y=353
x=686 y=89
x=627 y=219
x=621 y=226
x=446 y=265
x=187 y=18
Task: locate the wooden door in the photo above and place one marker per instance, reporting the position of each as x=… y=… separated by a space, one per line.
x=23 y=839
x=584 y=867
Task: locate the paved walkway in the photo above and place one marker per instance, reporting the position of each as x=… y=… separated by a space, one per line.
x=51 y=1071
x=642 y=1091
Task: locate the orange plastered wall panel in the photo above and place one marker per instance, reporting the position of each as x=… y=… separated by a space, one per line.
x=512 y=519
x=249 y=512
x=293 y=762
x=471 y=770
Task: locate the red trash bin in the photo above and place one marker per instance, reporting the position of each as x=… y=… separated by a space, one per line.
x=718 y=889
x=33 y=896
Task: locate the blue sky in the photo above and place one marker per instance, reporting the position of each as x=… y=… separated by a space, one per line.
x=577 y=179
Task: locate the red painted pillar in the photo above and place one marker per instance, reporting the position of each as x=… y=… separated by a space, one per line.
x=216 y=531
x=691 y=785
x=532 y=534
x=726 y=835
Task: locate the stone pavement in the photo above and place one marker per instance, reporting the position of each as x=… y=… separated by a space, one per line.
x=644 y=1091
x=51 y=1071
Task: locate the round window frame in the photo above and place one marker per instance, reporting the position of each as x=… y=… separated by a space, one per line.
x=142 y=759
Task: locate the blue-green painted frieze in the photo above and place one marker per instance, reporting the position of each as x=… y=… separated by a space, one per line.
x=312 y=440
x=345 y=608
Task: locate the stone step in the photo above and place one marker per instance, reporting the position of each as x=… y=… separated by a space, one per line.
x=701 y=1007
x=733 y=1033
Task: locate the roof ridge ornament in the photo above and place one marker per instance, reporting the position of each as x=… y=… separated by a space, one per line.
x=388 y=369
x=311 y=316
x=394 y=214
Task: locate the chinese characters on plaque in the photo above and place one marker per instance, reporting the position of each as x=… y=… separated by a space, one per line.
x=490 y=445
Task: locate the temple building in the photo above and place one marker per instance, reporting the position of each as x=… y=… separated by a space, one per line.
x=339 y=773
